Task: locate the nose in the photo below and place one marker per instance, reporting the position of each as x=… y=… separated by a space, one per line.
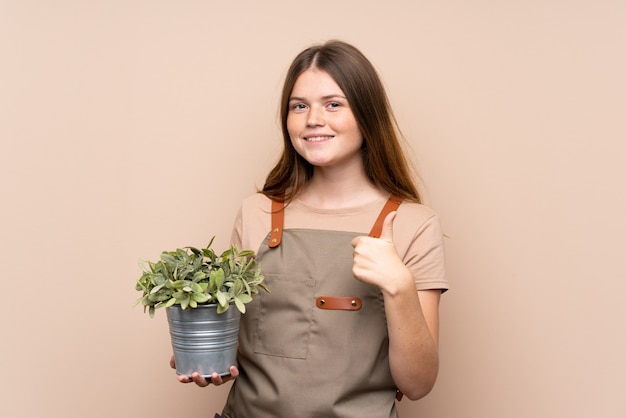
x=315 y=116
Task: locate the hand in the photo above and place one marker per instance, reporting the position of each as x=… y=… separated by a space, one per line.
x=199 y=380
x=377 y=262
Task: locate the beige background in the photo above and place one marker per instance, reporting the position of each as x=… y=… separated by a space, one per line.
x=130 y=127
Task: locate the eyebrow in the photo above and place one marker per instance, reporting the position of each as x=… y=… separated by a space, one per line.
x=328 y=97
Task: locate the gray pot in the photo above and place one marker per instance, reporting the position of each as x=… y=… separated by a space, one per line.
x=204 y=341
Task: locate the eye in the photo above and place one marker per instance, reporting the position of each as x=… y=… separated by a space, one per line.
x=298 y=106
x=334 y=105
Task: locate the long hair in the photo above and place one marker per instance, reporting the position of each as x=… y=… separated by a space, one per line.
x=383 y=159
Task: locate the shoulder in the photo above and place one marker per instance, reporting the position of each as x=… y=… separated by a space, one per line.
x=256 y=202
x=416 y=226
x=415 y=215
x=418 y=237
x=256 y=210
x=253 y=221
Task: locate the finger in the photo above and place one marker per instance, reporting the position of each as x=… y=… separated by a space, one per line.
x=184 y=379
x=199 y=379
x=216 y=379
x=172 y=362
x=387 y=232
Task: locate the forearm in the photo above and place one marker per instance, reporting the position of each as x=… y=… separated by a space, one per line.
x=412 y=316
x=413 y=345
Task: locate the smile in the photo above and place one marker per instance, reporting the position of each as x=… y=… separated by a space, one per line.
x=317 y=138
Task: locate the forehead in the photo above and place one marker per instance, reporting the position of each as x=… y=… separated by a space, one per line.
x=315 y=82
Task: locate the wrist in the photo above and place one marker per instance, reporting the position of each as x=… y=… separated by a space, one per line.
x=401 y=283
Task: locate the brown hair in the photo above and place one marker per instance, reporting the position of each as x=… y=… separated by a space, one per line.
x=384 y=162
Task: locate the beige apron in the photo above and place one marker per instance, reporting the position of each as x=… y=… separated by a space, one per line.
x=317 y=346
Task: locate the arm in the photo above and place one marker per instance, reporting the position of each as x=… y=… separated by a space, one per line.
x=412 y=323
x=412 y=316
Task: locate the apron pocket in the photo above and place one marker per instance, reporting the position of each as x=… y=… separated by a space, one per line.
x=284 y=316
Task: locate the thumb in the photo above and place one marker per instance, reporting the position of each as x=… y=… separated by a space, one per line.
x=387 y=231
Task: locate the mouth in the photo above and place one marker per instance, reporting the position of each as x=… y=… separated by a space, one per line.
x=319 y=138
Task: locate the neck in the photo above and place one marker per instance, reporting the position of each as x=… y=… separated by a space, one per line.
x=329 y=189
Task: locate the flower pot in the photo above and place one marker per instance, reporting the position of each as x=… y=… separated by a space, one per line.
x=203 y=340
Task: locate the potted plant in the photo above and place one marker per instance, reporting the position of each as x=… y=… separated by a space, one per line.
x=197 y=287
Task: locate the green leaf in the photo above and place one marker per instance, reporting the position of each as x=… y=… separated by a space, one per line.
x=195 y=251
x=228 y=253
x=200 y=297
x=221 y=298
x=244 y=298
x=143 y=267
x=178 y=284
x=240 y=305
x=238 y=287
x=195 y=287
x=168 y=258
x=182 y=254
x=157 y=288
x=158 y=297
x=212 y=280
x=262 y=286
x=219 y=278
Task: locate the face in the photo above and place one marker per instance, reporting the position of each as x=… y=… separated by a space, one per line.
x=321 y=125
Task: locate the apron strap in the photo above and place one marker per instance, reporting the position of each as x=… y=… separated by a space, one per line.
x=392 y=204
x=278 y=220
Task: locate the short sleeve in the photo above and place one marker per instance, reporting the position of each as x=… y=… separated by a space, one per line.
x=237 y=233
x=422 y=247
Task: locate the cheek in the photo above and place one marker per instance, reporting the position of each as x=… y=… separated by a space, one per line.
x=291 y=127
x=293 y=135
x=348 y=124
x=294 y=144
x=352 y=129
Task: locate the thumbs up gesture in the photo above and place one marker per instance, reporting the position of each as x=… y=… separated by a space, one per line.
x=377 y=262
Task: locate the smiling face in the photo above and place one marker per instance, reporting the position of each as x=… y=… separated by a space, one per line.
x=321 y=125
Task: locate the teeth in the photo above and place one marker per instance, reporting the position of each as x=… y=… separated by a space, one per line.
x=317 y=138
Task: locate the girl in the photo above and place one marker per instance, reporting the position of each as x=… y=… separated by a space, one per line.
x=353 y=260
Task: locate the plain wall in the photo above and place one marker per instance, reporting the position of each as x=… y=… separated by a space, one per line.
x=131 y=127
